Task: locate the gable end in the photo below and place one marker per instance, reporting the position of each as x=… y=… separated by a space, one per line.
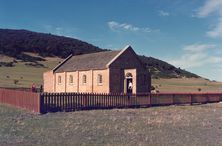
x=60 y=64
x=129 y=49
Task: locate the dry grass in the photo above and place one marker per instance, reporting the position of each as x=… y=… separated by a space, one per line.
x=172 y=125
x=26 y=75
x=186 y=85
x=4 y=58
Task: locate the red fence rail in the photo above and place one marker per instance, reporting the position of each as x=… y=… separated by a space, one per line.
x=79 y=101
x=22 y=99
x=184 y=98
x=53 y=102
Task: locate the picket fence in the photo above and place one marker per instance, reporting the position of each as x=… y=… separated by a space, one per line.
x=54 y=102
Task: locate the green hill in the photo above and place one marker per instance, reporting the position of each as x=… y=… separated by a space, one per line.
x=18 y=44
x=161 y=69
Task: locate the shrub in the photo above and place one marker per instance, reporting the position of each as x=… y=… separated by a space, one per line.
x=37 y=65
x=7 y=64
x=16 y=82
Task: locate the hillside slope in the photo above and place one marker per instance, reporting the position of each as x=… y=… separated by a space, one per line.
x=16 y=44
x=161 y=69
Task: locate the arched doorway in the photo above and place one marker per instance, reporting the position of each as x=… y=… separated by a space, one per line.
x=128 y=83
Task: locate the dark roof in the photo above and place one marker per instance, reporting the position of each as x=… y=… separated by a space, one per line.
x=88 y=61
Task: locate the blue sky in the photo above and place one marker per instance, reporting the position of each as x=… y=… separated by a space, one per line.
x=187 y=34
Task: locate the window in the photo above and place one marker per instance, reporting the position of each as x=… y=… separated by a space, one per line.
x=84 y=79
x=59 y=79
x=71 y=79
x=99 y=79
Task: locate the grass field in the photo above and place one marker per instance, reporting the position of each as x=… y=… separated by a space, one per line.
x=26 y=75
x=171 y=125
x=186 y=85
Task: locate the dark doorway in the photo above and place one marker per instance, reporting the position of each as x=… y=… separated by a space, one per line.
x=128 y=83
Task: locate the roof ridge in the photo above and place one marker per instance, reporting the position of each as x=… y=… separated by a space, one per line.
x=97 y=52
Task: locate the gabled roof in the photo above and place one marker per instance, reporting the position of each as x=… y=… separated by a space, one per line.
x=100 y=60
x=87 y=61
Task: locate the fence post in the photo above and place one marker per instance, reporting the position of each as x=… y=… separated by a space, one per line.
x=191 y=100
x=207 y=98
x=149 y=96
x=173 y=99
x=41 y=104
x=150 y=99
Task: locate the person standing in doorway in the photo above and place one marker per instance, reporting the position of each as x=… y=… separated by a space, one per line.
x=130 y=86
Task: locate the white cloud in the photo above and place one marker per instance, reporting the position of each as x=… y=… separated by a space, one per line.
x=128 y=27
x=62 y=31
x=115 y=25
x=59 y=30
x=54 y=30
x=214 y=59
x=163 y=13
x=212 y=7
x=198 y=47
x=187 y=61
x=209 y=7
x=197 y=55
x=217 y=31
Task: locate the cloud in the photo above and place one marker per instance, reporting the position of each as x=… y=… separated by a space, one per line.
x=116 y=25
x=195 y=48
x=212 y=7
x=163 y=13
x=216 y=31
x=197 y=55
x=54 y=30
x=113 y=25
x=62 y=31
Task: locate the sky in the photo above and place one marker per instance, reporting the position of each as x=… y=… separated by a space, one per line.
x=185 y=33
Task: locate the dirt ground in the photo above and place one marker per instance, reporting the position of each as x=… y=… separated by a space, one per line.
x=168 y=125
